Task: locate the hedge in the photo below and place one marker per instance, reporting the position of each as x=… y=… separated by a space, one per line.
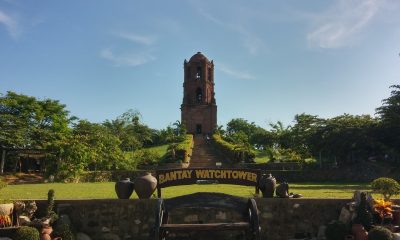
x=234 y=152
x=109 y=176
x=184 y=149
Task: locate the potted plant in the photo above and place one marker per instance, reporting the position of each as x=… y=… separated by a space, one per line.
x=380 y=233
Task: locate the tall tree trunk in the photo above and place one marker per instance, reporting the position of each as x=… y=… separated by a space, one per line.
x=3 y=160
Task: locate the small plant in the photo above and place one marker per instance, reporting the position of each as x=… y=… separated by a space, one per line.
x=380 y=233
x=386 y=186
x=50 y=214
x=26 y=233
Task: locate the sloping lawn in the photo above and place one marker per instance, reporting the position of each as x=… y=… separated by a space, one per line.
x=106 y=190
x=161 y=150
x=261 y=156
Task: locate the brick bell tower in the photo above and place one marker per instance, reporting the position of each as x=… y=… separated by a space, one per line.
x=198 y=109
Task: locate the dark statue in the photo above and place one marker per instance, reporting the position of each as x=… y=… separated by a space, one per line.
x=282 y=190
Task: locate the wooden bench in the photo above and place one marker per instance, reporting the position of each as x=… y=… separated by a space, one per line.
x=249 y=224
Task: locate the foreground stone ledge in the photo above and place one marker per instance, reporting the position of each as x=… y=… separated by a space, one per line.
x=135 y=218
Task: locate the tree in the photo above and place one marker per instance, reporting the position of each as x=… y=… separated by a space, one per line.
x=27 y=122
x=103 y=147
x=389 y=115
x=132 y=133
x=347 y=138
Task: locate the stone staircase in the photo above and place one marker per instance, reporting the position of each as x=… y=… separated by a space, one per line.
x=204 y=155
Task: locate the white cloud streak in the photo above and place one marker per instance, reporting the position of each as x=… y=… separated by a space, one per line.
x=342 y=23
x=252 y=43
x=140 y=39
x=10 y=24
x=234 y=73
x=131 y=60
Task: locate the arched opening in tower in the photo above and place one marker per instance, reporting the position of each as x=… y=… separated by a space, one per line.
x=198 y=73
x=199 y=95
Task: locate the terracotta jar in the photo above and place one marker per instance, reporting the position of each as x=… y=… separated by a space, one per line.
x=124 y=188
x=267 y=185
x=359 y=232
x=145 y=186
x=45 y=233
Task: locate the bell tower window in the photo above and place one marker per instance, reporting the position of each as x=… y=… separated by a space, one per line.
x=198 y=73
x=188 y=73
x=199 y=95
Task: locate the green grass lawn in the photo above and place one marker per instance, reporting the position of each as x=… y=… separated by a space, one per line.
x=106 y=190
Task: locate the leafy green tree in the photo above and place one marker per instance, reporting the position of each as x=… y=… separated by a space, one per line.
x=281 y=134
x=389 y=115
x=132 y=133
x=27 y=122
x=104 y=151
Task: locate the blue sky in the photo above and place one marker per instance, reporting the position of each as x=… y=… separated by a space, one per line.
x=273 y=59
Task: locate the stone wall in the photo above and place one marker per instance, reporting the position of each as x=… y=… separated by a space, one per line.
x=129 y=219
x=282 y=218
x=135 y=219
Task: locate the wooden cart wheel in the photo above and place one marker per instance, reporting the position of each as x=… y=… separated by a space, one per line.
x=254 y=219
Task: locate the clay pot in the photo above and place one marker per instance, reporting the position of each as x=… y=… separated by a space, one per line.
x=47 y=230
x=267 y=185
x=124 y=188
x=145 y=186
x=359 y=232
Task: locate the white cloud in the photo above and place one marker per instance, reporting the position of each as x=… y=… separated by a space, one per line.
x=234 y=73
x=252 y=43
x=10 y=24
x=120 y=60
x=342 y=23
x=141 y=39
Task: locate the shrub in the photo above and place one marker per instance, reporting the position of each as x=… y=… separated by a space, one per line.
x=181 y=151
x=184 y=148
x=234 y=152
x=336 y=230
x=386 y=186
x=380 y=233
x=64 y=231
x=26 y=233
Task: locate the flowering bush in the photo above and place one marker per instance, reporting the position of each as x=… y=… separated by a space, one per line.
x=383 y=208
x=5 y=221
